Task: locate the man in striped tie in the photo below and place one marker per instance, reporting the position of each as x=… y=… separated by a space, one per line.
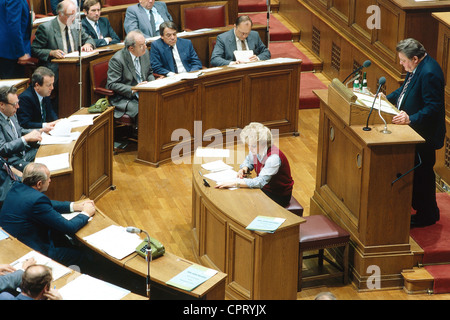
x=421 y=103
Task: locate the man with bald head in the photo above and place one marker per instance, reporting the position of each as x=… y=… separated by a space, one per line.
x=36 y=285
x=30 y=216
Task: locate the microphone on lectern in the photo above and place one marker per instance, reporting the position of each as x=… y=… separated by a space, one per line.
x=381 y=82
x=366 y=64
x=148 y=254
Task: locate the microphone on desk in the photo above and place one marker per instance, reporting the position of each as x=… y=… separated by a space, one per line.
x=148 y=254
x=381 y=82
x=366 y=64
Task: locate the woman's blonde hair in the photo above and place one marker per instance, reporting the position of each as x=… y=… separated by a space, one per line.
x=256 y=132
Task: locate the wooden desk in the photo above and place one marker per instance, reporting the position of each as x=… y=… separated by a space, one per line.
x=259 y=265
x=69 y=72
x=13 y=249
x=90 y=174
x=162 y=269
x=229 y=98
x=20 y=84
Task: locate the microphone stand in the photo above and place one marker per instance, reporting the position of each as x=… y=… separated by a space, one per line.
x=385 y=130
x=366 y=128
x=148 y=257
x=80 y=83
x=268 y=17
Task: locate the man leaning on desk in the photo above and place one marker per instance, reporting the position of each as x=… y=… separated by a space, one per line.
x=241 y=37
x=35 y=220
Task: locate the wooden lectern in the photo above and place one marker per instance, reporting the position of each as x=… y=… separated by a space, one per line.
x=355 y=187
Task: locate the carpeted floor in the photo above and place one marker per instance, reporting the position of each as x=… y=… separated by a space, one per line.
x=435 y=241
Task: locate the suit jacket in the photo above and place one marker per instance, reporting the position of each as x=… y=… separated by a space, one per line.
x=12 y=148
x=30 y=216
x=162 y=60
x=137 y=18
x=29 y=114
x=122 y=77
x=424 y=101
x=11 y=281
x=105 y=29
x=6 y=181
x=15 y=29
x=48 y=38
x=223 y=52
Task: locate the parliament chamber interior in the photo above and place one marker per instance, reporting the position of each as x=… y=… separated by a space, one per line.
x=352 y=188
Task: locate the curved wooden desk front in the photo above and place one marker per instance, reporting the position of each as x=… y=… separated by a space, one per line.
x=162 y=269
x=12 y=249
x=90 y=173
x=259 y=265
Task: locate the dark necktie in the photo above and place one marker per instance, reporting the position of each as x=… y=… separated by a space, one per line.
x=174 y=62
x=69 y=47
x=400 y=97
x=43 y=111
x=152 y=24
x=243 y=45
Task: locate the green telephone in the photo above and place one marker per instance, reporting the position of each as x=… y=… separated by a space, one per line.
x=156 y=246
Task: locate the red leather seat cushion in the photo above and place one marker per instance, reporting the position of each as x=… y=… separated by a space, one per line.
x=295 y=207
x=319 y=232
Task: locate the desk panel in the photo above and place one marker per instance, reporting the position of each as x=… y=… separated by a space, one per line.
x=229 y=98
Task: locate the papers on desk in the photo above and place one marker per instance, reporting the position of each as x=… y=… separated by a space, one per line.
x=243 y=55
x=55 y=162
x=58 y=270
x=367 y=100
x=265 y=224
x=215 y=166
x=212 y=153
x=62 y=132
x=220 y=176
x=86 y=287
x=115 y=241
x=3 y=235
x=81 y=120
x=9 y=83
x=84 y=54
x=263 y=62
x=192 y=277
x=169 y=80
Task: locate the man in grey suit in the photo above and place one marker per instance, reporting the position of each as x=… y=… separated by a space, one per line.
x=18 y=145
x=127 y=68
x=146 y=16
x=58 y=37
x=241 y=37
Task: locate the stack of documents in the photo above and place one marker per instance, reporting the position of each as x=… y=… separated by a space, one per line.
x=115 y=241
x=265 y=224
x=191 y=277
x=219 y=171
x=58 y=270
x=55 y=162
x=86 y=287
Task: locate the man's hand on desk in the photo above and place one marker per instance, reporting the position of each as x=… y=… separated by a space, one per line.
x=58 y=54
x=33 y=136
x=87 y=206
x=87 y=48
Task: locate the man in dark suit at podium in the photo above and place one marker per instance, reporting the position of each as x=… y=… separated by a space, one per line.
x=98 y=27
x=421 y=103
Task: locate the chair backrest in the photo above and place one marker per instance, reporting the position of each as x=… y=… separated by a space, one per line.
x=109 y=3
x=98 y=69
x=211 y=44
x=204 y=15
